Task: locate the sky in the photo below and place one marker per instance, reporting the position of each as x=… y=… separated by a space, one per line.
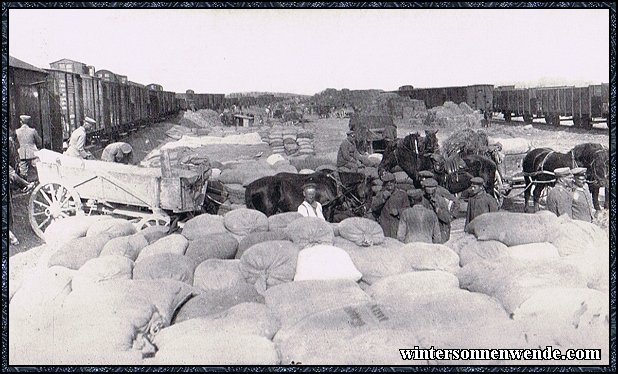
x=306 y=51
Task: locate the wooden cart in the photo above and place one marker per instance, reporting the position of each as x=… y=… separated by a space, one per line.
x=71 y=186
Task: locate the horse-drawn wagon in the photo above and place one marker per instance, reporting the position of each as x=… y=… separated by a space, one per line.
x=71 y=186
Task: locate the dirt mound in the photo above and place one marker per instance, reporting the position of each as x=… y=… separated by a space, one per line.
x=201 y=118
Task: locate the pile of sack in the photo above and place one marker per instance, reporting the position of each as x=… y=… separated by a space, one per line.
x=249 y=289
x=291 y=140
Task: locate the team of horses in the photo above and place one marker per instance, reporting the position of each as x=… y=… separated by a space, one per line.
x=350 y=195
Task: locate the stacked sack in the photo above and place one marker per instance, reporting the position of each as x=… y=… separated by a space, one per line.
x=305 y=143
x=291 y=140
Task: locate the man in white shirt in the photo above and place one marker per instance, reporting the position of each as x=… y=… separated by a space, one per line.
x=310 y=207
x=77 y=142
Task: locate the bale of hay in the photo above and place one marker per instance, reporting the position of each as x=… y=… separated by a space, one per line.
x=154 y=233
x=218 y=275
x=366 y=334
x=325 y=262
x=512 y=281
x=166 y=266
x=291 y=302
x=362 y=231
x=531 y=228
x=478 y=250
x=203 y=225
x=76 y=252
x=426 y=256
x=213 y=302
x=282 y=220
x=70 y=228
x=533 y=251
x=244 y=318
x=411 y=284
x=259 y=237
x=114 y=228
x=268 y=264
x=102 y=269
x=465 y=142
x=174 y=243
x=127 y=246
x=308 y=231
x=245 y=221
x=195 y=348
x=215 y=246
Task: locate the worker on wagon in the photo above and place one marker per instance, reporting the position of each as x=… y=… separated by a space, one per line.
x=389 y=135
x=439 y=205
x=418 y=224
x=479 y=201
x=560 y=198
x=77 y=142
x=582 y=206
x=29 y=143
x=310 y=206
x=119 y=152
x=388 y=205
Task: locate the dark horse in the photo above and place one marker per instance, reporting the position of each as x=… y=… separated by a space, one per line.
x=539 y=165
x=283 y=192
x=595 y=158
x=405 y=153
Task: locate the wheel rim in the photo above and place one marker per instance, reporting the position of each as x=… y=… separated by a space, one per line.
x=153 y=221
x=49 y=203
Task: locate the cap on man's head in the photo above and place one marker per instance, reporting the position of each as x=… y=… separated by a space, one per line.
x=425 y=174
x=310 y=186
x=24 y=118
x=126 y=148
x=90 y=120
x=429 y=182
x=477 y=181
x=415 y=194
x=579 y=172
x=562 y=172
x=388 y=177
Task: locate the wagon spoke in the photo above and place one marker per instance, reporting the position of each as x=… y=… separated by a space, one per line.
x=44 y=222
x=66 y=200
x=42 y=204
x=39 y=214
x=46 y=198
x=52 y=191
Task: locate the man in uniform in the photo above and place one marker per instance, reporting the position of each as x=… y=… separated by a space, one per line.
x=119 y=152
x=560 y=198
x=418 y=224
x=479 y=201
x=389 y=203
x=350 y=161
x=77 y=142
x=310 y=206
x=583 y=208
x=29 y=143
x=389 y=135
x=439 y=205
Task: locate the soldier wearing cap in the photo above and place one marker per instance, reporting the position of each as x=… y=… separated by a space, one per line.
x=439 y=205
x=119 y=152
x=426 y=174
x=348 y=157
x=560 y=198
x=479 y=201
x=389 y=135
x=418 y=224
x=77 y=142
x=29 y=143
x=388 y=204
x=310 y=206
x=582 y=206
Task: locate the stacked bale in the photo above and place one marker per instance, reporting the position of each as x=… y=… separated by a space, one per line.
x=305 y=143
x=291 y=140
x=451 y=116
x=275 y=140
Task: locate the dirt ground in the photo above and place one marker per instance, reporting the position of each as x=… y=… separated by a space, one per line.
x=329 y=133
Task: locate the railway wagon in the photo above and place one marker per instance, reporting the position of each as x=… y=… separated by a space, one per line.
x=582 y=104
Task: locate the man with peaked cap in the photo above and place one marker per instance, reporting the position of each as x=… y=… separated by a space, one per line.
x=310 y=206
x=389 y=135
x=582 y=206
x=349 y=160
x=388 y=205
x=439 y=205
x=418 y=224
x=560 y=198
x=118 y=152
x=426 y=174
x=29 y=143
x=77 y=142
x=479 y=201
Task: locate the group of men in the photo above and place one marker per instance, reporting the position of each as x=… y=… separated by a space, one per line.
x=570 y=195
x=119 y=152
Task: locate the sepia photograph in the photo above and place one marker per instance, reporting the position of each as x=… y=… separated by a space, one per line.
x=300 y=186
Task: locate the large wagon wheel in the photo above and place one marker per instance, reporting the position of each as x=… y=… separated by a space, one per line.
x=153 y=220
x=51 y=202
